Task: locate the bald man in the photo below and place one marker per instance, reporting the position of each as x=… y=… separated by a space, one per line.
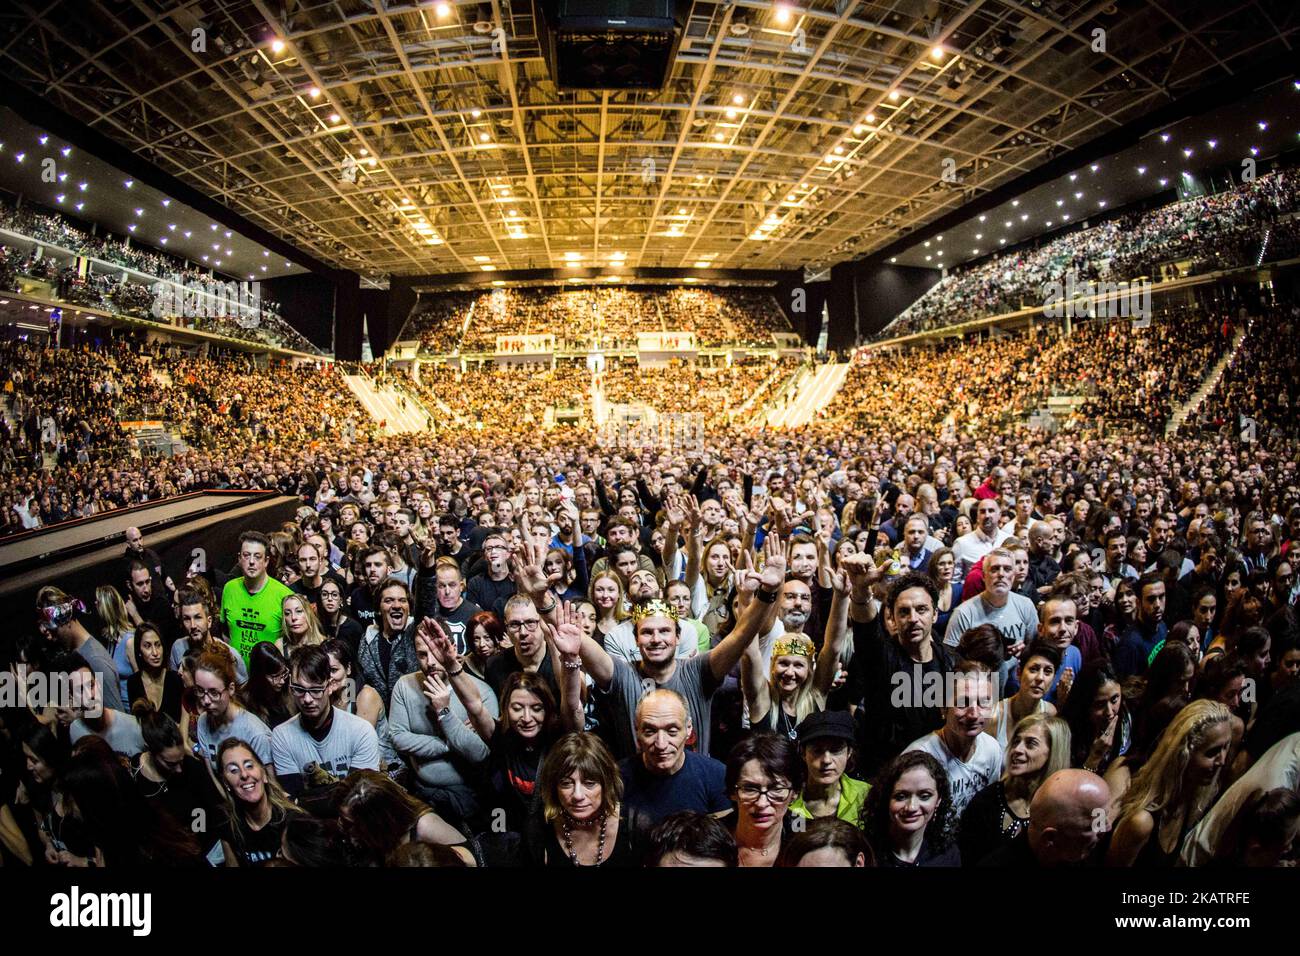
x=1067 y=817
x=664 y=776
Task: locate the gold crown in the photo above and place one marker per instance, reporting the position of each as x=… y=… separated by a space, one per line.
x=651 y=609
x=793 y=644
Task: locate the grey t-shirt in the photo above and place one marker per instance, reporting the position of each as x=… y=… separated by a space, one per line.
x=1017 y=620
x=248 y=727
x=123 y=734
x=102 y=663
x=693 y=679
x=351 y=744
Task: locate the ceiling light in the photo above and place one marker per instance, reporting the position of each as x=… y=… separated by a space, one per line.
x=171 y=226
x=893 y=96
x=738 y=99
x=139 y=212
x=1015 y=202
x=982 y=218
x=227 y=233
x=719 y=137
x=131 y=227
x=1187 y=154
x=702 y=264
x=63 y=177
x=1163 y=182
x=1212 y=143
x=1024 y=216
x=488 y=268
x=314 y=92
x=978 y=235
x=781 y=14
x=1101 y=203
x=1254 y=151
x=893 y=258
x=277 y=45
x=442 y=9
x=60 y=197
x=937 y=53
x=83 y=186
x=218 y=262
x=927 y=243
x=484 y=137
x=1060 y=202
x=1263 y=125
x=205 y=258
x=1007 y=224
x=79 y=206
x=1002 y=242
x=187 y=233
x=928 y=258
x=163 y=240
x=1164 y=137
x=1142 y=170
x=1094 y=167
x=859 y=130
x=1078 y=195
x=1073 y=176
x=371 y=161
x=66 y=151
x=334 y=118
x=731 y=113
x=476 y=113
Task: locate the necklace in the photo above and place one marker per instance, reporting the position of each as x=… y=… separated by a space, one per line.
x=568 y=839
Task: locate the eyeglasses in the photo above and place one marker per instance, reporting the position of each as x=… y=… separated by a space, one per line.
x=751 y=793
x=529 y=625
x=315 y=693
x=202 y=693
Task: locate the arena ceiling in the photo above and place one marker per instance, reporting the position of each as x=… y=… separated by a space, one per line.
x=415 y=138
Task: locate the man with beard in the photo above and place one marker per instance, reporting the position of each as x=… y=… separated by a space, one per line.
x=621 y=642
x=1133 y=652
x=376 y=566
x=320 y=735
x=147 y=601
x=387 y=650
x=196 y=634
x=314 y=571
x=1012 y=614
x=971 y=548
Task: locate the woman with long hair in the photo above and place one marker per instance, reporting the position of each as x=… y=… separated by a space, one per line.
x=800 y=678
x=1123 y=611
x=116 y=633
x=1168 y=689
x=361 y=699
x=170 y=777
x=98 y=791
x=377 y=816
x=608 y=597
x=335 y=622
x=1173 y=789
x=940 y=569
x=256 y=806
x=154 y=683
x=908 y=816
x=1100 y=724
x=267 y=692
x=300 y=626
x=579 y=818
x=1038 y=666
x=486 y=634
x=1039 y=746
x=25 y=820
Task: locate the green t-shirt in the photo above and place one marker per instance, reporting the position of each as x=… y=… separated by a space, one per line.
x=853 y=794
x=252 y=618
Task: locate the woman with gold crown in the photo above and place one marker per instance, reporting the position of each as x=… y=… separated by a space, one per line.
x=800 y=678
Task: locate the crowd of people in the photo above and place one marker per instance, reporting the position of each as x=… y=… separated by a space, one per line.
x=64 y=452
x=1203 y=233
x=882 y=639
x=597 y=317
x=121 y=292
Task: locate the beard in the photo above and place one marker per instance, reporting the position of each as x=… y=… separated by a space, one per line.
x=794 y=621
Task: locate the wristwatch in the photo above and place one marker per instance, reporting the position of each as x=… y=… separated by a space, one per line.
x=767 y=597
x=445 y=712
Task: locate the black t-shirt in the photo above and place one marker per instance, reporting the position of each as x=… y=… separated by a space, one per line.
x=488 y=594
x=699 y=786
x=255 y=847
x=456 y=624
x=361 y=605
x=501 y=666
x=312 y=594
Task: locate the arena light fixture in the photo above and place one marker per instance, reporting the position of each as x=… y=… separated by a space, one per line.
x=83 y=186
x=277 y=45
x=66 y=151
x=893 y=96
x=442 y=9
x=314 y=92
x=781 y=14
x=187 y=233
x=1164 y=137
x=139 y=212
x=60 y=197
x=893 y=258
x=79 y=206
x=1262 y=125
x=1164 y=182
x=1142 y=170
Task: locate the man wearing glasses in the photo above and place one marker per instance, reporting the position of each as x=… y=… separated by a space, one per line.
x=321 y=735
x=250 y=603
x=523 y=627
x=494 y=586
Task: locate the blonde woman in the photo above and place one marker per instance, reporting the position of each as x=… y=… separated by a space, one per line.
x=799 y=679
x=301 y=627
x=606 y=595
x=117 y=633
x=1174 y=787
x=1039 y=746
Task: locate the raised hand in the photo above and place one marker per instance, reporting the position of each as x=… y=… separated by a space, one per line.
x=530 y=577
x=567 y=634
x=435 y=640
x=773 y=574
x=437 y=692
x=861 y=569
x=676 y=513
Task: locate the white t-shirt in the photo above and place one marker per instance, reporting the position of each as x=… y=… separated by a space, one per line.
x=966 y=778
x=351 y=744
x=248 y=727
x=971 y=548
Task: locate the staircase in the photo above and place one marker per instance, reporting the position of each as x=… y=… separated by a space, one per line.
x=809 y=395
x=1208 y=385
x=386 y=405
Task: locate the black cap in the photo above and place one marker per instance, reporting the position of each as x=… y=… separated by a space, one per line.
x=828 y=723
